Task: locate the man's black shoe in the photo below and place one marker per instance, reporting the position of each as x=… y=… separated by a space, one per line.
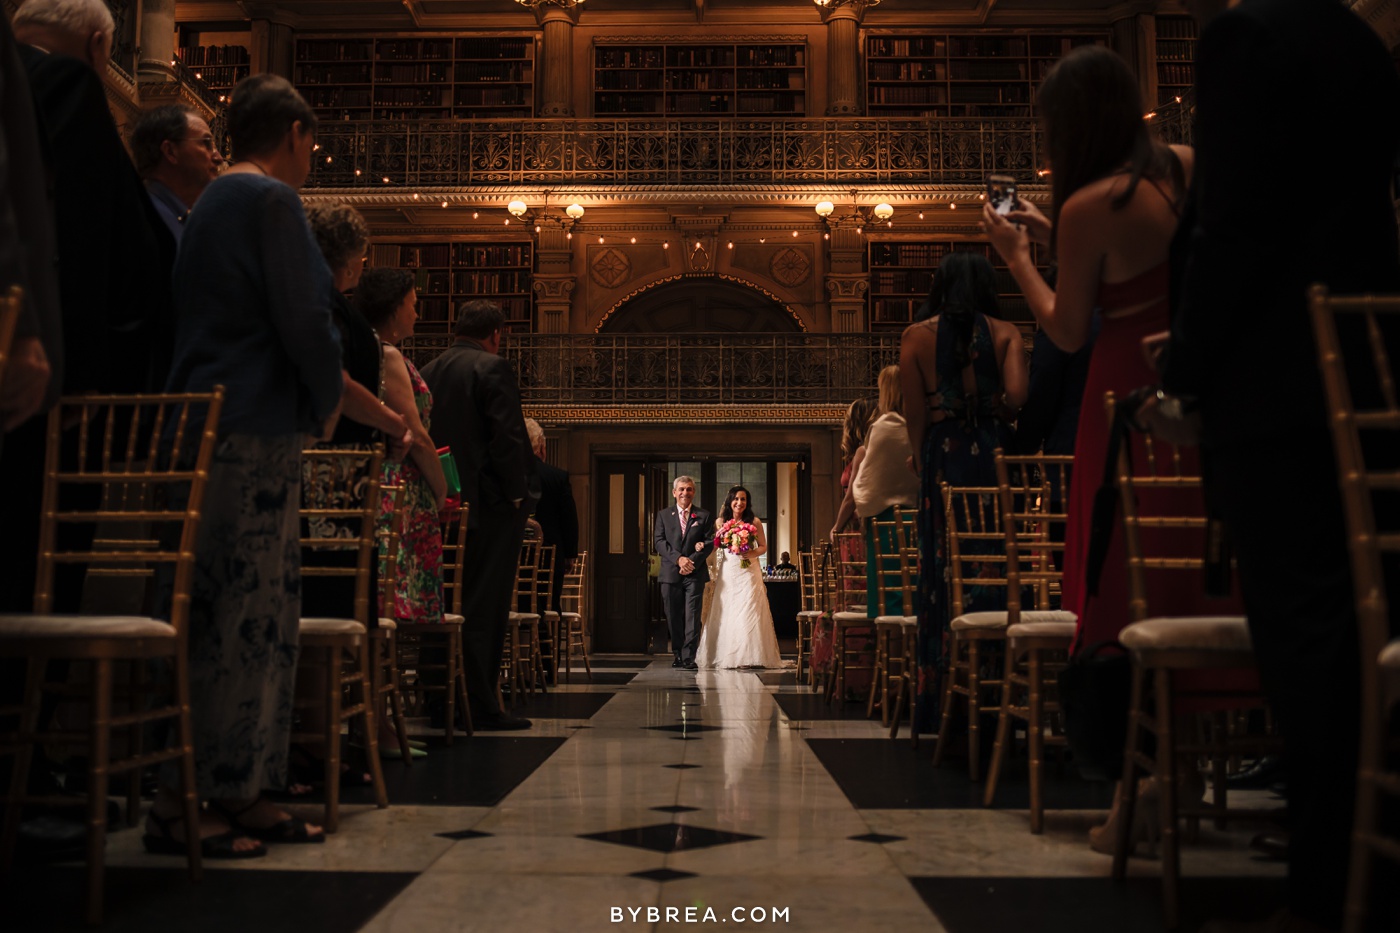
x=678 y=663
x=691 y=666
x=1258 y=776
x=500 y=722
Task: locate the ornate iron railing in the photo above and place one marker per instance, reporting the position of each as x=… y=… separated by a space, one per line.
x=1174 y=122
x=693 y=150
x=690 y=369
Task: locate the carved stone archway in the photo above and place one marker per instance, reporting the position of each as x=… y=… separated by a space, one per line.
x=701 y=304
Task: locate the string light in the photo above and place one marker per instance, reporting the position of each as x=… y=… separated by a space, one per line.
x=415 y=195
x=730 y=244
x=475 y=214
x=634 y=239
x=794 y=233
x=921 y=215
x=357 y=171
x=600 y=239
x=826 y=236
x=444 y=203
x=952 y=207
x=328 y=162
x=386 y=179
x=665 y=244
x=763 y=239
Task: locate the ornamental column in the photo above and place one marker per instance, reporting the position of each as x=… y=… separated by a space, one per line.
x=846 y=279
x=555 y=281
x=157 y=41
x=843 y=57
x=556 y=60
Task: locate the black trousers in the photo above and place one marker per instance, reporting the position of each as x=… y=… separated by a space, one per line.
x=683 y=601
x=488 y=595
x=1282 y=507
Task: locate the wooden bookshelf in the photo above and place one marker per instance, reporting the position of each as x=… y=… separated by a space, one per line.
x=218 y=66
x=730 y=78
x=449 y=273
x=962 y=74
x=901 y=272
x=411 y=78
x=1176 y=57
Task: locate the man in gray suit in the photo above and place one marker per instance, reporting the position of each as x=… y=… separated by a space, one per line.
x=476 y=412
x=684 y=538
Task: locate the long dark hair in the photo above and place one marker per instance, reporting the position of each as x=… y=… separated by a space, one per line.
x=1092 y=109
x=728 y=511
x=964 y=286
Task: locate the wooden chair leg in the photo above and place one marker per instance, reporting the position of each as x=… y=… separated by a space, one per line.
x=99 y=757
x=881 y=643
x=189 y=788
x=945 y=718
x=135 y=741
x=24 y=758
x=1166 y=798
x=369 y=714
x=454 y=648
x=1035 y=733
x=1122 y=845
x=974 y=712
x=332 y=756
x=1367 y=812
x=1000 y=743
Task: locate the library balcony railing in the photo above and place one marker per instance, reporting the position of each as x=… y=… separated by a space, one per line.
x=673 y=151
x=689 y=369
x=1174 y=121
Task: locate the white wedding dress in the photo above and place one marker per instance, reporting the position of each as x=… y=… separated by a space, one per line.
x=738 y=627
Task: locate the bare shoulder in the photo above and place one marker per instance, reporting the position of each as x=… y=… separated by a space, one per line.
x=392 y=354
x=1187 y=156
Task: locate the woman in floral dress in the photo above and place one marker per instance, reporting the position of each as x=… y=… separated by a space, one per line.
x=387 y=299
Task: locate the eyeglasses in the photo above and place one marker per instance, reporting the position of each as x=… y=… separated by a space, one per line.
x=205 y=142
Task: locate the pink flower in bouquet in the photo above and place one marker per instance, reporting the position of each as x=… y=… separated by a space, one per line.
x=737 y=537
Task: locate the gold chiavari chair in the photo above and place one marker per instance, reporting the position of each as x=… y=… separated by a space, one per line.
x=976 y=560
x=905 y=668
x=1165 y=648
x=11 y=303
x=823 y=629
x=523 y=629
x=852 y=627
x=1034 y=500
x=385 y=682
x=141 y=460
x=894 y=573
x=547 y=660
x=809 y=614
x=337 y=651
x=1361 y=426
x=430 y=650
x=573 y=609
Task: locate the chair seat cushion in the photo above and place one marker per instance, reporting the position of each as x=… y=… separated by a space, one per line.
x=452 y=618
x=1189 y=633
x=810 y=614
x=896 y=620
x=388 y=625
x=1063 y=630
x=331 y=627
x=1390 y=656
x=849 y=617
x=570 y=616
x=969 y=620
x=29 y=625
x=524 y=618
x=551 y=616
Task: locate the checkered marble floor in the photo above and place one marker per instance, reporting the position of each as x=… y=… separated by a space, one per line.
x=661 y=796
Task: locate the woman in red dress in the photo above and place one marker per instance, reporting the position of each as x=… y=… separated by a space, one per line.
x=1116 y=196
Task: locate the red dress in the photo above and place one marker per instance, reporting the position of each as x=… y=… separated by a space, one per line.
x=1117 y=365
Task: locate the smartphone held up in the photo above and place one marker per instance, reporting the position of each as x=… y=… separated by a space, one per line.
x=1001 y=193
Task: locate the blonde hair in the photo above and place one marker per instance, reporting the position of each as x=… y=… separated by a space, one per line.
x=891 y=392
x=340 y=231
x=857 y=426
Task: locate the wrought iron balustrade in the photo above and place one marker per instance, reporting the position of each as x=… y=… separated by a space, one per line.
x=673 y=151
x=690 y=369
x=1174 y=122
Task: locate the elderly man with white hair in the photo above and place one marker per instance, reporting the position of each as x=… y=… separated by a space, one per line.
x=108 y=263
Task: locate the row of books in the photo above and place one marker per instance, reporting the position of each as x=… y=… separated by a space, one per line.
x=412 y=97
x=977 y=46
x=321 y=97
x=493 y=97
x=1176 y=27
x=907 y=71
x=196 y=55
x=409 y=49
x=221 y=76
x=407 y=74
x=1176 y=74
x=1176 y=50
x=335 y=50
x=492 y=72
x=916 y=94
x=743 y=56
x=442 y=255
x=333 y=74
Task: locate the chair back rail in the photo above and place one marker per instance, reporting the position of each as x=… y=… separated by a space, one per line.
x=897 y=559
x=453 y=525
x=1034 y=500
x=976 y=540
x=339 y=512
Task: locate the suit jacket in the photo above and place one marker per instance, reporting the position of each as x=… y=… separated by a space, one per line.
x=113 y=289
x=556 y=511
x=27 y=251
x=476 y=412
x=672 y=542
x=1050 y=417
x=1242 y=340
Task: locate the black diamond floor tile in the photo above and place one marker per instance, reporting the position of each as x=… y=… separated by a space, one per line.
x=474 y=772
x=555 y=705
x=813 y=706
x=682 y=767
x=884 y=775
x=463 y=834
x=777 y=678
x=612 y=678
x=638 y=665
x=675 y=809
x=1075 y=905
x=877 y=838
x=670 y=837
x=663 y=874
x=160 y=900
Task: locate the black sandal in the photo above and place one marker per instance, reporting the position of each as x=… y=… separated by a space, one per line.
x=307 y=770
x=213 y=847
x=290 y=830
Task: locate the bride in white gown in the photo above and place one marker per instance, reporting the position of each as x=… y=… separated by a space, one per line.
x=738 y=627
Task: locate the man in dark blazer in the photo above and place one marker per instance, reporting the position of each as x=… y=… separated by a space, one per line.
x=476 y=412
x=685 y=536
x=556 y=511
x=1292 y=96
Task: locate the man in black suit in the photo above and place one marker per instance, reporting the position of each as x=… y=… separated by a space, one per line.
x=476 y=412
x=1292 y=96
x=556 y=511
x=684 y=538
x=116 y=331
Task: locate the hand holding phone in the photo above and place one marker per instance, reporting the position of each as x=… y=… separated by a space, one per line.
x=1001 y=193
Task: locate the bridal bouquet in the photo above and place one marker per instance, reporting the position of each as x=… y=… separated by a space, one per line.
x=737 y=537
